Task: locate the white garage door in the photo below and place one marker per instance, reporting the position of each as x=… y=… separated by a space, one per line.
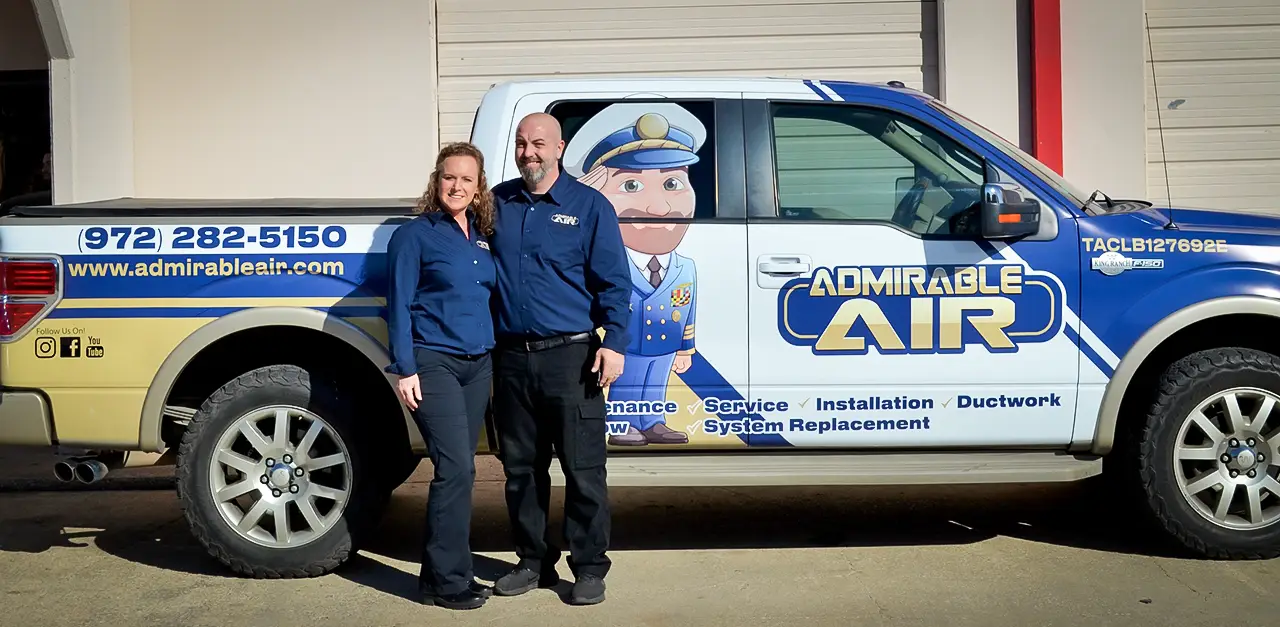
x=485 y=41
x=1217 y=69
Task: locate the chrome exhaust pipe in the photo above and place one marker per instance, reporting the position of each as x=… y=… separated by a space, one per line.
x=91 y=471
x=65 y=471
x=94 y=467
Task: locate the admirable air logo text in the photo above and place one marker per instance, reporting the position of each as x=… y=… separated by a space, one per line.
x=912 y=310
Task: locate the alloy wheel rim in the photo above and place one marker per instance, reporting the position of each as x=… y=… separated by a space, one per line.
x=284 y=486
x=1225 y=459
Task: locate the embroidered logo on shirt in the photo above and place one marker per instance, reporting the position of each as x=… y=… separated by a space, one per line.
x=483 y=244
x=561 y=218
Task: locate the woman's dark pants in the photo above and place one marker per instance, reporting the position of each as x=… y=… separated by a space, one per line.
x=455 y=395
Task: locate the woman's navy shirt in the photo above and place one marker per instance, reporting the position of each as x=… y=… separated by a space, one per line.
x=440 y=282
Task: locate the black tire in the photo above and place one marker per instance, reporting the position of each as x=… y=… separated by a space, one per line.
x=275 y=385
x=1183 y=386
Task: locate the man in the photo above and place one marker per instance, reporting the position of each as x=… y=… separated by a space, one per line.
x=562 y=274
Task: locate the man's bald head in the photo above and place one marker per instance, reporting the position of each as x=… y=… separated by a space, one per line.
x=539 y=146
x=541 y=125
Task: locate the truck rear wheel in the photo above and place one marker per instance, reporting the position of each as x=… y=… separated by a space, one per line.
x=273 y=478
x=1209 y=452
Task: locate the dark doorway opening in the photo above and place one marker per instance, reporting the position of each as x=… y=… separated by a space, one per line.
x=26 y=164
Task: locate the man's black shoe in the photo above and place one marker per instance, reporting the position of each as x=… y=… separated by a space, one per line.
x=468 y=599
x=521 y=580
x=587 y=590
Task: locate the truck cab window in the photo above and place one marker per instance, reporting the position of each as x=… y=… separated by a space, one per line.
x=850 y=163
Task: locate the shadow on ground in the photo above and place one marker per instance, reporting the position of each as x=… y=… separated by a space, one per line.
x=147 y=527
x=1080 y=516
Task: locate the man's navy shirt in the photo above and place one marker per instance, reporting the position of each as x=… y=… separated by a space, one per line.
x=561 y=265
x=440 y=282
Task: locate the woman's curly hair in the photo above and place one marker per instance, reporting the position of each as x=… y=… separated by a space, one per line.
x=482 y=205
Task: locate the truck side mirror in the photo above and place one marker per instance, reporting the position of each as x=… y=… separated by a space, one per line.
x=1004 y=218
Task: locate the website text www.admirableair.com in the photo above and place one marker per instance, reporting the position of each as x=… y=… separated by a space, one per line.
x=222 y=267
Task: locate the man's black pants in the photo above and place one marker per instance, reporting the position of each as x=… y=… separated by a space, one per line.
x=547 y=400
x=455 y=395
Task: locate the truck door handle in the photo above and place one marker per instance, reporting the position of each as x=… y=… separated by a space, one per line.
x=783 y=265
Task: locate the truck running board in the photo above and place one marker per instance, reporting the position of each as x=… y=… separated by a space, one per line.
x=822 y=468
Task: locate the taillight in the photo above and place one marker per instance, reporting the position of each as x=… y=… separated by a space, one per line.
x=15 y=316
x=28 y=290
x=28 y=278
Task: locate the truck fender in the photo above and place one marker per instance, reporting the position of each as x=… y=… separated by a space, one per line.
x=153 y=406
x=1216 y=304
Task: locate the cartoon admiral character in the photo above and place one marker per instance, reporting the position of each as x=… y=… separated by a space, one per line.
x=638 y=155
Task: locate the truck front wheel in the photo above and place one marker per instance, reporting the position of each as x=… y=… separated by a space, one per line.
x=272 y=478
x=1209 y=453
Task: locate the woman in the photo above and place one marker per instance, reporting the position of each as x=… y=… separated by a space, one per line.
x=441 y=331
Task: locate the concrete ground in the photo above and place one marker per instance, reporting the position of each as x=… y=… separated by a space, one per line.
x=983 y=556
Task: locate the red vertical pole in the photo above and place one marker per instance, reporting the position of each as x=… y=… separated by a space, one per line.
x=1046 y=81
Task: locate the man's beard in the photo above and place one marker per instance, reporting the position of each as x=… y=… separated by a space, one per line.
x=533 y=173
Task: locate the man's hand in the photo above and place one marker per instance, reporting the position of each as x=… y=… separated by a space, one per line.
x=408 y=390
x=682 y=363
x=608 y=366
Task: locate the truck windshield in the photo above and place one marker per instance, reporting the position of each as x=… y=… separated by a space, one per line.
x=1059 y=184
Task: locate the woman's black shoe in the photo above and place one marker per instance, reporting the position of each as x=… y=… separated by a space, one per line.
x=468 y=599
x=481 y=589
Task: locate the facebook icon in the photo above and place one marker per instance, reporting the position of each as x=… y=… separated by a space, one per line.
x=70 y=347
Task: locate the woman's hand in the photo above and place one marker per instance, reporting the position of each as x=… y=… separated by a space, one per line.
x=409 y=391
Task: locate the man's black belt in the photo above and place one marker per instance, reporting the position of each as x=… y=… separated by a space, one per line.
x=542 y=343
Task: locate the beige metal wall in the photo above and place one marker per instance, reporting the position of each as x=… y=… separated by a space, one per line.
x=1217 y=70
x=242 y=98
x=92 y=105
x=1103 y=141
x=289 y=98
x=485 y=41
x=984 y=64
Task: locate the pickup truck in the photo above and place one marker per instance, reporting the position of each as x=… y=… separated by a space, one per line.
x=834 y=283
